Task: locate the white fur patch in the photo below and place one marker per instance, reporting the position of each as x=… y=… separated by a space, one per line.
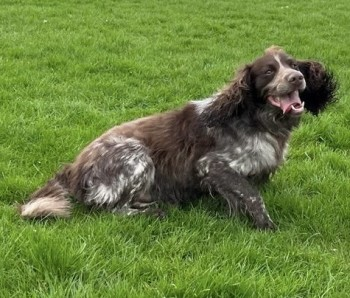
x=46 y=206
x=281 y=66
x=258 y=155
x=105 y=194
x=201 y=105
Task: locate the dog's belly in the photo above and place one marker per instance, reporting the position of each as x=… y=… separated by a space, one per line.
x=169 y=189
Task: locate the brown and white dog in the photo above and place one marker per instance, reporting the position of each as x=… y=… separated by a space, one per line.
x=222 y=144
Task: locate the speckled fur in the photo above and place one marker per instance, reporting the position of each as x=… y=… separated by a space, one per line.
x=222 y=145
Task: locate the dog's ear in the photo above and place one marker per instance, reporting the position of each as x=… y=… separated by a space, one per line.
x=232 y=100
x=321 y=86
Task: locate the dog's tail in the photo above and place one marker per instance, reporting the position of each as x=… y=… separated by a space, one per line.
x=52 y=200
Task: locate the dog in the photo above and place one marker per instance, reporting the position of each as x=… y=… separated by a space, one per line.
x=223 y=145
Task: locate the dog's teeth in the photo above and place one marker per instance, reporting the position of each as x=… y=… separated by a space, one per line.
x=298 y=109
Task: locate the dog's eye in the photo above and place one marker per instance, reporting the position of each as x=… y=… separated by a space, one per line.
x=269 y=72
x=294 y=65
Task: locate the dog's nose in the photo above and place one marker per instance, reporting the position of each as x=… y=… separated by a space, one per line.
x=295 y=78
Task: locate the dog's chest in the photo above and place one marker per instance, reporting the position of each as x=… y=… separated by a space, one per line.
x=255 y=155
x=259 y=154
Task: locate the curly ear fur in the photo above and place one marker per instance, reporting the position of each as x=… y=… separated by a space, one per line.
x=230 y=101
x=321 y=86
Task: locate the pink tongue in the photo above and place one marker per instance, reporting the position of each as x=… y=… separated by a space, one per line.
x=287 y=101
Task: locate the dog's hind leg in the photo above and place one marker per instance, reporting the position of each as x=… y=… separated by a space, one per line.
x=121 y=177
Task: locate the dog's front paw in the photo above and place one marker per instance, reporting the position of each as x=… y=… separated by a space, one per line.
x=265 y=224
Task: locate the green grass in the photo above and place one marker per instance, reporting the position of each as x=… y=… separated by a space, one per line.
x=69 y=70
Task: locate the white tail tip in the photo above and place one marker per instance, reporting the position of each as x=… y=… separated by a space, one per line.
x=46 y=207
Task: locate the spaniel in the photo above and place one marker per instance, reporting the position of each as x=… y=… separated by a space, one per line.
x=221 y=145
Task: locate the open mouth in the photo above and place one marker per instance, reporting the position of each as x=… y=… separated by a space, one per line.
x=288 y=103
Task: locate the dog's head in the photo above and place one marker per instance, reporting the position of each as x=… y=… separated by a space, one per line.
x=291 y=85
x=278 y=82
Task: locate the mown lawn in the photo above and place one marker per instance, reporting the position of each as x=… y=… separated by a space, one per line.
x=69 y=70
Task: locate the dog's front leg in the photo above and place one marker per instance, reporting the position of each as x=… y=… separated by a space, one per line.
x=238 y=192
